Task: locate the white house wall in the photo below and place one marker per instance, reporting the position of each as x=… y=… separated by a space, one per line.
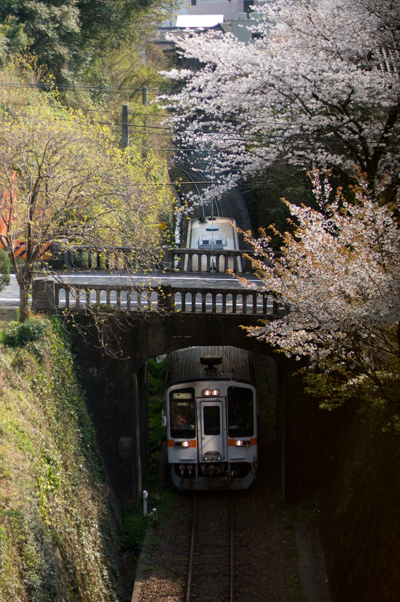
x=228 y=8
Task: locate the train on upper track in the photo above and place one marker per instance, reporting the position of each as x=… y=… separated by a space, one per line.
x=213 y=234
x=211 y=418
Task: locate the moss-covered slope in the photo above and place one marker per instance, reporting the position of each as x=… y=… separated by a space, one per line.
x=57 y=521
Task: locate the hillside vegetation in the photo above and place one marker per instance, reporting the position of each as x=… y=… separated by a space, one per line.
x=58 y=522
x=65 y=181
x=74 y=39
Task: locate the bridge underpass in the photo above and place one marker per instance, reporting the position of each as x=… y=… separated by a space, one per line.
x=116 y=389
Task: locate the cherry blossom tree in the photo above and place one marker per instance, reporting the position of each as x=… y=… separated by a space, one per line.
x=319 y=86
x=338 y=280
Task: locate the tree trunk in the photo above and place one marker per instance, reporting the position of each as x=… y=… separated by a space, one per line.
x=24 y=309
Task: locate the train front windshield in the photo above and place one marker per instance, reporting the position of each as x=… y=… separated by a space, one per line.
x=240 y=412
x=182 y=413
x=212 y=420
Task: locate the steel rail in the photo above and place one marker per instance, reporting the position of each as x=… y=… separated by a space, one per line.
x=230 y=563
x=232 y=555
x=191 y=557
x=205 y=181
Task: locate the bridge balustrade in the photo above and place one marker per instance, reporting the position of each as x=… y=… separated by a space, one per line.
x=174 y=260
x=52 y=295
x=201 y=260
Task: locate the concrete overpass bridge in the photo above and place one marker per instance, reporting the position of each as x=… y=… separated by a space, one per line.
x=153 y=314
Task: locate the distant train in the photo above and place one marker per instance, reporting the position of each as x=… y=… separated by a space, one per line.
x=211 y=417
x=213 y=233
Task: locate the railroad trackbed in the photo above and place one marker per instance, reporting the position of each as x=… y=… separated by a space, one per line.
x=211 y=563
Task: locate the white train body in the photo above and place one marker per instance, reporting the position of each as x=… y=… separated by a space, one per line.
x=213 y=233
x=212 y=418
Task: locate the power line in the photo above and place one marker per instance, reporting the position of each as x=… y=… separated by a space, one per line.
x=231 y=136
x=56 y=87
x=151 y=127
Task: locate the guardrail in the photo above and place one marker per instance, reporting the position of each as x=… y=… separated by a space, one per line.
x=49 y=295
x=174 y=260
x=196 y=260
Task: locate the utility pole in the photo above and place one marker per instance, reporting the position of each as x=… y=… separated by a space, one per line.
x=125 y=126
x=144 y=102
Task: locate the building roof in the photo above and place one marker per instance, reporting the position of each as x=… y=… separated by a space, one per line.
x=195 y=21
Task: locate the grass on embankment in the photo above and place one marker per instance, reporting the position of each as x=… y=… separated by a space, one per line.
x=57 y=520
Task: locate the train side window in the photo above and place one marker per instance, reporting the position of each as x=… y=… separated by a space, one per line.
x=240 y=412
x=182 y=414
x=212 y=420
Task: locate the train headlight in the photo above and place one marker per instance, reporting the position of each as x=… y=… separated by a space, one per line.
x=182 y=444
x=240 y=443
x=211 y=392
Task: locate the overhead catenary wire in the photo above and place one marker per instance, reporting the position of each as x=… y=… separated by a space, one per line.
x=52 y=86
x=231 y=136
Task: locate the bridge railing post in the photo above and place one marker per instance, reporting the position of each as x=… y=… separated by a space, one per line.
x=43 y=295
x=167 y=262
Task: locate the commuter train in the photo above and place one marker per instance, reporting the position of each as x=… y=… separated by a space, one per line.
x=209 y=234
x=211 y=418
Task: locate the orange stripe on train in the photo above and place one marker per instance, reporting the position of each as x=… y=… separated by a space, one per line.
x=193 y=442
x=231 y=442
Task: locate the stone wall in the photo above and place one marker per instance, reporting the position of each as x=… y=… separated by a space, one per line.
x=117 y=400
x=116 y=391
x=361 y=511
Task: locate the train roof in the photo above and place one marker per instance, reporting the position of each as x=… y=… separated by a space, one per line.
x=220 y=229
x=211 y=363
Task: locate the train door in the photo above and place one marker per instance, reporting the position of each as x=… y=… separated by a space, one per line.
x=212 y=432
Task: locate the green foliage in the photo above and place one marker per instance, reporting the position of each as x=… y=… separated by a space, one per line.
x=134 y=527
x=157 y=372
x=306 y=511
x=152 y=466
x=20 y=334
x=68 y=37
x=51 y=29
x=15 y=38
x=57 y=527
x=156 y=431
x=4 y=269
x=339 y=386
x=157 y=375
x=296 y=592
x=91 y=193
x=265 y=194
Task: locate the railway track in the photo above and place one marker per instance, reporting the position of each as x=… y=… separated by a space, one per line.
x=211 y=562
x=196 y=178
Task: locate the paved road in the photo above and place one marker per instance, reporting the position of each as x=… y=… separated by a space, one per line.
x=9 y=296
x=201 y=280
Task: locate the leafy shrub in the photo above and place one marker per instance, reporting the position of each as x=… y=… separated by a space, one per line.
x=157 y=374
x=134 y=527
x=156 y=431
x=4 y=269
x=19 y=334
